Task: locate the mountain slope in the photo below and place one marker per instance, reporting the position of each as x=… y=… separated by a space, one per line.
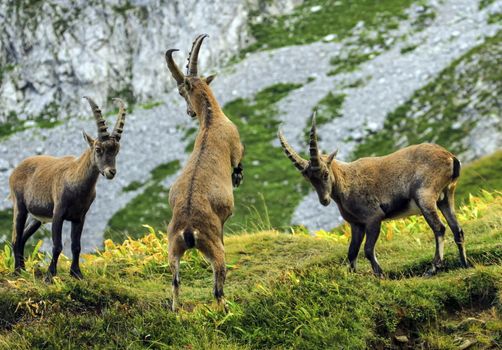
x=283 y=291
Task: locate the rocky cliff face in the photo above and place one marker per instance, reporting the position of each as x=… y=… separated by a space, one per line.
x=53 y=52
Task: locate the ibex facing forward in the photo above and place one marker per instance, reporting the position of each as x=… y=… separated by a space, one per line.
x=201 y=198
x=417 y=179
x=57 y=189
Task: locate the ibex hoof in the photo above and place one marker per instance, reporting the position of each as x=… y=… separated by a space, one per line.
x=49 y=278
x=77 y=274
x=431 y=272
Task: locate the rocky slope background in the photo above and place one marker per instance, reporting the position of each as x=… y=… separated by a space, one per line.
x=382 y=76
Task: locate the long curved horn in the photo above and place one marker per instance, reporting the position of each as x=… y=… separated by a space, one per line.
x=314 y=149
x=300 y=163
x=173 y=67
x=100 y=121
x=119 y=124
x=193 y=56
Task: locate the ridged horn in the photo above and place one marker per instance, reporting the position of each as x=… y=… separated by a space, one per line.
x=100 y=121
x=193 y=56
x=119 y=124
x=300 y=163
x=314 y=150
x=173 y=67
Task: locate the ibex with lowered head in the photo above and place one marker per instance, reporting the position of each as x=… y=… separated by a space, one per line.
x=417 y=179
x=57 y=189
x=201 y=198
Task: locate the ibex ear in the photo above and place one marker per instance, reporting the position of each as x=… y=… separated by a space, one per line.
x=332 y=156
x=88 y=138
x=209 y=79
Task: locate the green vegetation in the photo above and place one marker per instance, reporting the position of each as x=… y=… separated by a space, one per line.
x=446 y=109
x=259 y=201
x=315 y=19
x=151 y=105
x=484 y=173
x=349 y=63
x=408 y=48
x=5 y=225
x=46 y=119
x=495 y=18
x=151 y=206
x=5 y=69
x=283 y=291
x=485 y=3
x=328 y=109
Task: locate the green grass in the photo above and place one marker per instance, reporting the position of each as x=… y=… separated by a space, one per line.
x=436 y=113
x=408 y=48
x=350 y=63
x=328 y=109
x=484 y=173
x=303 y=26
x=269 y=179
x=151 y=206
x=43 y=120
x=283 y=291
x=5 y=225
x=485 y=3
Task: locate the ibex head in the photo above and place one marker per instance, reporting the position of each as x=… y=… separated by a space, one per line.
x=106 y=147
x=318 y=170
x=190 y=84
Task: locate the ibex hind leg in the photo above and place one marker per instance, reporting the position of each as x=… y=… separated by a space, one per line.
x=447 y=207
x=175 y=254
x=428 y=207
x=215 y=253
x=31 y=228
x=19 y=221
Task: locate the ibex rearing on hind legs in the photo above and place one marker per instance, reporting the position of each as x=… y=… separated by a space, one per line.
x=417 y=179
x=57 y=189
x=201 y=198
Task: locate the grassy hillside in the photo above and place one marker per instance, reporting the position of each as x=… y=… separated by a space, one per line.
x=284 y=291
x=315 y=19
x=447 y=109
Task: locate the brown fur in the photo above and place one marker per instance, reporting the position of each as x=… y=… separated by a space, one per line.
x=202 y=197
x=417 y=179
x=54 y=189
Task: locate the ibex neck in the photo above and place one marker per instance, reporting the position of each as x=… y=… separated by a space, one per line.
x=210 y=109
x=338 y=180
x=87 y=172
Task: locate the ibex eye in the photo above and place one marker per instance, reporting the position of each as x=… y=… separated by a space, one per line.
x=99 y=150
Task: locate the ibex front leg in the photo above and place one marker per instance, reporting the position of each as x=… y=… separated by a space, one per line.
x=20 y=216
x=57 y=244
x=76 y=233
